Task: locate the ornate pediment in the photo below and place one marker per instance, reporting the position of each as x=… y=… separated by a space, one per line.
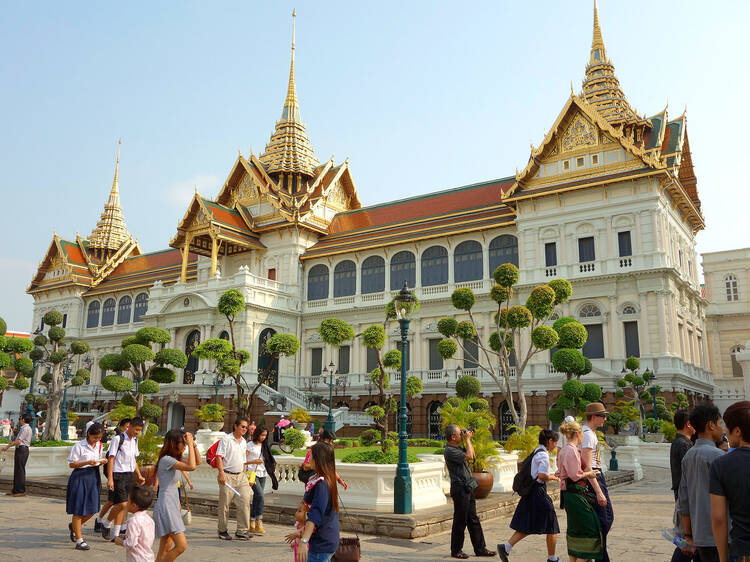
x=580 y=132
x=246 y=192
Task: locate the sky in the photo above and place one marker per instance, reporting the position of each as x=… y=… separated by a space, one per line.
x=421 y=96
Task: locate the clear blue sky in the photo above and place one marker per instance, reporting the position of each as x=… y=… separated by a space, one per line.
x=421 y=96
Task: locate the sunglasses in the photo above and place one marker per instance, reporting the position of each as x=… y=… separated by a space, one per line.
x=601 y=415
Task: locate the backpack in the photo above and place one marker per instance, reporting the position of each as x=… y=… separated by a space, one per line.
x=121 y=435
x=211 y=455
x=522 y=481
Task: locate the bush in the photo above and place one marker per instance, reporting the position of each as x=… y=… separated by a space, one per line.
x=466 y=330
x=447 y=326
x=669 y=430
x=556 y=415
x=560 y=322
x=592 y=392
x=52 y=443
x=374 y=336
x=148 y=387
x=573 y=388
x=116 y=383
x=544 y=337
x=424 y=443
x=300 y=415
x=568 y=361
x=500 y=294
x=563 y=289
x=378 y=457
x=468 y=386
x=369 y=437
x=282 y=344
x=174 y=357
x=541 y=301
x=524 y=441
x=121 y=412
x=211 y=413
x=506 y=275
x=632 y=363
x=137 y=353
x=463 y=299
x=392 y=359
x=163 y=375
x=573 y=335
x=447 y=348
x=52 y=318
x=150 y=411
x=294 y=439
x=652 y=425
x=56 y=333
x=519 y=317
x=414 y=386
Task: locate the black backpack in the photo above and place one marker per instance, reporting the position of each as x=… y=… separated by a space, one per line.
x=105 y=466
x=523 y=482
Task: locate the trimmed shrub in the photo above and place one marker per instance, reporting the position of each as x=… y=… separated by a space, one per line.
x=563 y=289
x=544 y=337
x=466 y=330
x=573 y=335
x=447 y=348
x=506 y=275
x=468 y=386
x=519 y=317
x=463 y=299
x=369 y=437
x=447 y=326
x=377 y=457
x=541 y=301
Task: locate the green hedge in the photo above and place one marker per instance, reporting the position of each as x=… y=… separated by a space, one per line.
x=378 y=457
x=52 y=443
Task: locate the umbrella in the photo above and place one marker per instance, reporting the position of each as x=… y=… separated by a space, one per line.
x=283 y=423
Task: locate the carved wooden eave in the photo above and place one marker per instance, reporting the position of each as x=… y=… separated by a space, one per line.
x=100 y=271
x=53 y=257
x=682 y=200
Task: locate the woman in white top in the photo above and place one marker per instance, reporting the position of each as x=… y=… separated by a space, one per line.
x=82 y=495
x=256 y=463
x=535 y=512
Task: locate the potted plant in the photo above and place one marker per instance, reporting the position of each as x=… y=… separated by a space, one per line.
x=468 y=410
x=653 y=428
x=211 y=416
x=149 y=445
x=617 y=421
x=300 y=418
x=630 y=415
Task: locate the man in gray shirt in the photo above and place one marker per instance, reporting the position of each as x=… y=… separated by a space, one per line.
x=21 y=455
x=694 y=501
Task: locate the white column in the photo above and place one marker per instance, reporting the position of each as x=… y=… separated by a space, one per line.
x=615 y=343
x=644 y=341
x=662 y=319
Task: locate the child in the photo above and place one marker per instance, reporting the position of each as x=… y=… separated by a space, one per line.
x=300 y=518
x=140 y=534
x=82 y=495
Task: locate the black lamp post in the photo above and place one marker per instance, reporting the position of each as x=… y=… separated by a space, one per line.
x=29 y=409
x=64 y=409
x=216 y=383
x=402 y=482
x=329 y=425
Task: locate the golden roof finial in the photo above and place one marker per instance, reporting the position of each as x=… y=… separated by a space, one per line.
x=598 y=52
x=289 y=149
x=110 y=232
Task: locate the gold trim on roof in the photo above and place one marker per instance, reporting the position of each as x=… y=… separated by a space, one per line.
x=110 y=232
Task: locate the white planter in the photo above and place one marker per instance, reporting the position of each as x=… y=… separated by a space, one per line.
x=370 y=485
x=623 y=440
x=505 y=471
x=628 y=458
x=43 y=461
x=204 y=438
x=654 y=438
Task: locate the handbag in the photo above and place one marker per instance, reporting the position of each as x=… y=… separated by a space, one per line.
x=187 y=515
x=349 y=547
x=251 y=477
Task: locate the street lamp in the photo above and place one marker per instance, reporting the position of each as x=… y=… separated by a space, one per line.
x=30 y=405
x=216 y=383
x=64 y=412
x=402 y=483
x=329 y=425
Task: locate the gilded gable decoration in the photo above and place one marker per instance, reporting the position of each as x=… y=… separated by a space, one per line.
x=579 y=133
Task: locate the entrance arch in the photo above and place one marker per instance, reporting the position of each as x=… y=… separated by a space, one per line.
x=191 y=342
x=434 y=423
x=267 y=365
x=176 y=415
x=506 y=420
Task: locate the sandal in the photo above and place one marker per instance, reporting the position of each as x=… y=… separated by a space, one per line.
x=488 y=553
x=82 y=546
x=461 y=555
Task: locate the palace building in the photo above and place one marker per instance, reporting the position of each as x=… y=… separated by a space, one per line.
x=608 y=199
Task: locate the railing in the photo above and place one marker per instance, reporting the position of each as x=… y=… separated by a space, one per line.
x=586 y=267
x=473 y=285
x=320 y=303
x=343 y=300
x=372 y=297
x=433 y=290
x=729 y=389
x=626 y=262
x=550 y=272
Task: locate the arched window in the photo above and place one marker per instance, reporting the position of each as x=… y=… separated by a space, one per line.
x=730 y=283
x=123 y=310
x=736 y=367
x=92 y=320
x=373 y=275
x=467 y=261
x=268 y=366
x=108 y=312
x=503 y=249
x=506 y=420
x=192 y=341
x=629 y=309
x=434 y=266
x=434 y=423
x=403 y=268
x=589 y=311
x=317 y=283
x=224 y=335
x=344 y=279
x=141 y=306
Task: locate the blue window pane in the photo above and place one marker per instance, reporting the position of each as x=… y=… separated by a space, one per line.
x=92 y=320
x=373 y=275
x=123 y=310
x=108 y=312
x=317 y=283
x=434 y=266
x=403 y=268
x=467 y=261
x=503 y=249
x=344 y=279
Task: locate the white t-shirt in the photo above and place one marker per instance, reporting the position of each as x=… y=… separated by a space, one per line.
x=254 y=452
x=591 y=441
x=233 y=453
x=540 y=463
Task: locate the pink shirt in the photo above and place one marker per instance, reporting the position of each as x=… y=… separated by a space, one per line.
x=569 y=464
x=139 y=538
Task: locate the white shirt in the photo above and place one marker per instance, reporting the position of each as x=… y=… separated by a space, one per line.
x=126 y=460
x=233 y=453
x=591 y=441
x=540 y=463
x=254 y=453
x=83 y=451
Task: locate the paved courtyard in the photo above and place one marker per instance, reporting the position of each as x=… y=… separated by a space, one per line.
x=34 y=529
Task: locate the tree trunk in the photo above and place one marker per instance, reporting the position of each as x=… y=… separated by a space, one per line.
x=52 y=427
x=523 y=413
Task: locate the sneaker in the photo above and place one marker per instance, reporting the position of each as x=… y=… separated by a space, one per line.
x=72 y=535
x=241 y=536
x=82 y=546
x=97 y=526
x=107 y=533
x=225 y=536
x=501 y=552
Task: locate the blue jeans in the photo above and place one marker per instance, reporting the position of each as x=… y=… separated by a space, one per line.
x=256 y=509
x=319 y=556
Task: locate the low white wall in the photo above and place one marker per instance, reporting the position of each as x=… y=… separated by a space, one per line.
x=43 y=461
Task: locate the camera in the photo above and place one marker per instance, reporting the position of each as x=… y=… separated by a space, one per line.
x=463 y=431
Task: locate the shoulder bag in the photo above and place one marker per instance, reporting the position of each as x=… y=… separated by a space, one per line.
x=187 y=515
x=349 y=547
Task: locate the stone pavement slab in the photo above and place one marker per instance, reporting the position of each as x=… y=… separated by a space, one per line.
x=34 y=529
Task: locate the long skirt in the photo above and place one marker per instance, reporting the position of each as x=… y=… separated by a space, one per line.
x=82 y=495
x=584 y=534
x=535 y=513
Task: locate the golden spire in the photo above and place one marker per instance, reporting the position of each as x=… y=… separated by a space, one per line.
x=601 y=88
x=289 y=150
x=110 y=232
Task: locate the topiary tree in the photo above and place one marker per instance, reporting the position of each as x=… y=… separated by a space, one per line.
x=51 y=352
x=229 y=360
x=512 y=323
x=14 y=368
x=635 y=387
x=335 y=332
x=145 y=368
x=680 y=402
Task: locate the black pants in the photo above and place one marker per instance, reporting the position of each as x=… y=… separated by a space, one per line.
x=708 y=553
x=605 y=514
x=19 y=469
x=465 y=515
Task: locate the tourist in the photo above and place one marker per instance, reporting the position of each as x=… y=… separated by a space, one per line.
x=729 y=488
x=230 y=463
x=462 y=493
x=169 y=526
x=694 y=502
x=261 y=461
x=122 y=428
x=535 y=512
x=681 y=444
x=300 y=518
x=82 y=494
x=596 y=416
x=306 y=471
x=122 y=472
x=584 y=532
x=321 y=531
x=140 y=536
x=20 y=456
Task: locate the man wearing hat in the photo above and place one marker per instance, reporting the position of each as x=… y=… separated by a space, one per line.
x=596 y=415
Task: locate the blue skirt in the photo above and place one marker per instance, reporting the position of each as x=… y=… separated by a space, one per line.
x=82 y=495
x=535 y=513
